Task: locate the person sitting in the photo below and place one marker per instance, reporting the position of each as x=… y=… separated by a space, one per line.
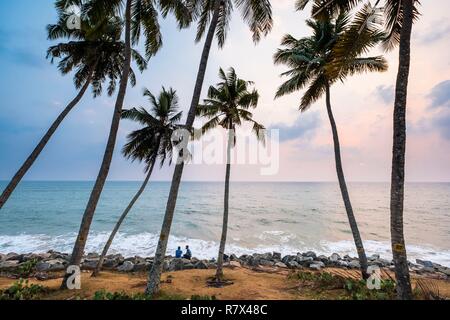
x=178 y=253
x=188 y=254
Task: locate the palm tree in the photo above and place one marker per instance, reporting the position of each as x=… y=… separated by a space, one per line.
x=147 y=144
x=314 y=62
x=400 y=16
x=258 y=15
x=96 y=54
x=141 y=18
x=227 y=107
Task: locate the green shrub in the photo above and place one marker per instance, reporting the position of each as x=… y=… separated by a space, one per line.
x=105 y=295
x=22 y=290
x=27 y=268
x=357 y=290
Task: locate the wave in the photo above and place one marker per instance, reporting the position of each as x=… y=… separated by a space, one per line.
x=144 y=244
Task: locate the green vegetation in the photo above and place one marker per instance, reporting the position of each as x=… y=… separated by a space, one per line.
x=22 y=290
x=27 y=268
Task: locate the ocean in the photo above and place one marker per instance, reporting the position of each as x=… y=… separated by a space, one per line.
x=264 y=217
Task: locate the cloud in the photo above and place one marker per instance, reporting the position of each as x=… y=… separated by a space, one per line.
x=439 y=31
x=385 y=93
x=440 y=95
x=305 y=124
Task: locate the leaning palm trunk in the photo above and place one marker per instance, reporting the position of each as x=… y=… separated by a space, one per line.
x=98 y=268
x=344 y=191
x=398 y=158
x=88 y=215
x=41 y=145
x=154 y=277
x=223 y=239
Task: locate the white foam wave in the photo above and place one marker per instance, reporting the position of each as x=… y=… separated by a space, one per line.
x=144 y=244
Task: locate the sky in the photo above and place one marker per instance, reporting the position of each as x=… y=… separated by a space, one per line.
x=33 y=92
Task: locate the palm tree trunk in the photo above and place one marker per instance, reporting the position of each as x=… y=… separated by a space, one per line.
x=223 y=239
x=398 y=157
x=344 y=191
x=88 y=215
x=42 y=143
x=98 y=268
x=154 y=277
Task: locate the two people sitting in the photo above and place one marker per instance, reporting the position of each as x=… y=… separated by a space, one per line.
x=187 y=255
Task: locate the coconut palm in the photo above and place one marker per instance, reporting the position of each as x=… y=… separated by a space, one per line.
x=314 y=63
x=217 y=13
x=140 y=19
x=227 y=107
x=399 y=16
x=147 y=144
x=96 y=54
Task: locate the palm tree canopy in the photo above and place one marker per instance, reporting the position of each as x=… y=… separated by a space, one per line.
x=317 y=61
x=228 y=104
x=393 y=14
x=144 y=16
x=154 y=139
x=256 y=13
x=95 y=47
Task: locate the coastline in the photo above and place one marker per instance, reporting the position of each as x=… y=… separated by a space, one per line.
x=40 y=264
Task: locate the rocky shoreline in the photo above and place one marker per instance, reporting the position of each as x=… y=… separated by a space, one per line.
x=40 y=265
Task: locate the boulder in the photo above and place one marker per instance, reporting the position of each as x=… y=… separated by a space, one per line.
x=303 y=260
x=188 y=266
x=177 y=264
x=2 y=257
x=354 y=264
x=127 y=266
x=310 y=254
x=110 y=264
x=203 y=265
x=317 y=265
x=235 y=264
x=335 y=257
x=141 y=266
x=322 y=258
x=51 y=265
x=293 y=264
x=276 y=256
x=425 y=263
x=89 y=264
x=280 y=265
x=14 y=257
x=264 y=262
x=233 y=257
x=9 y=264
x=166 y=265
x=287 y=259
x=374 y=257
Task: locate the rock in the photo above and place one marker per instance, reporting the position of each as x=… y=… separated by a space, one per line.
x=9 y=264
x=287 y=259
x=310 y=254
x=293 y=264
x=233 y=257
x=203 y=265
x=264 y=262
x=89 y=264
x=51 y=265
x=92 y=255
x=342 y=263
x=276 y=256
x=32 y=256
x=110 y=264
x=425 y=270
x=315 y=266
x=354 y=264
x=178 y=264
x=142 y=266
x=235 y=264
x=166 y=265
x=188 y=266
x=14 y=257
x=347 y=258
x=2 y=257
x=226 y=257
x=425 y=263
x=323 y=258
x=304 y=261
x=374 y=257
x=252 y=261
x=280 y=265
x=127 y=266
x=335 y=257
x=212 y=265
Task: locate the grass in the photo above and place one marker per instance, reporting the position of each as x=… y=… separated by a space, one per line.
x=105 y=295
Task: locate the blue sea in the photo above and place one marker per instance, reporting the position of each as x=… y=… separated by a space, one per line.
x=264 y=217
